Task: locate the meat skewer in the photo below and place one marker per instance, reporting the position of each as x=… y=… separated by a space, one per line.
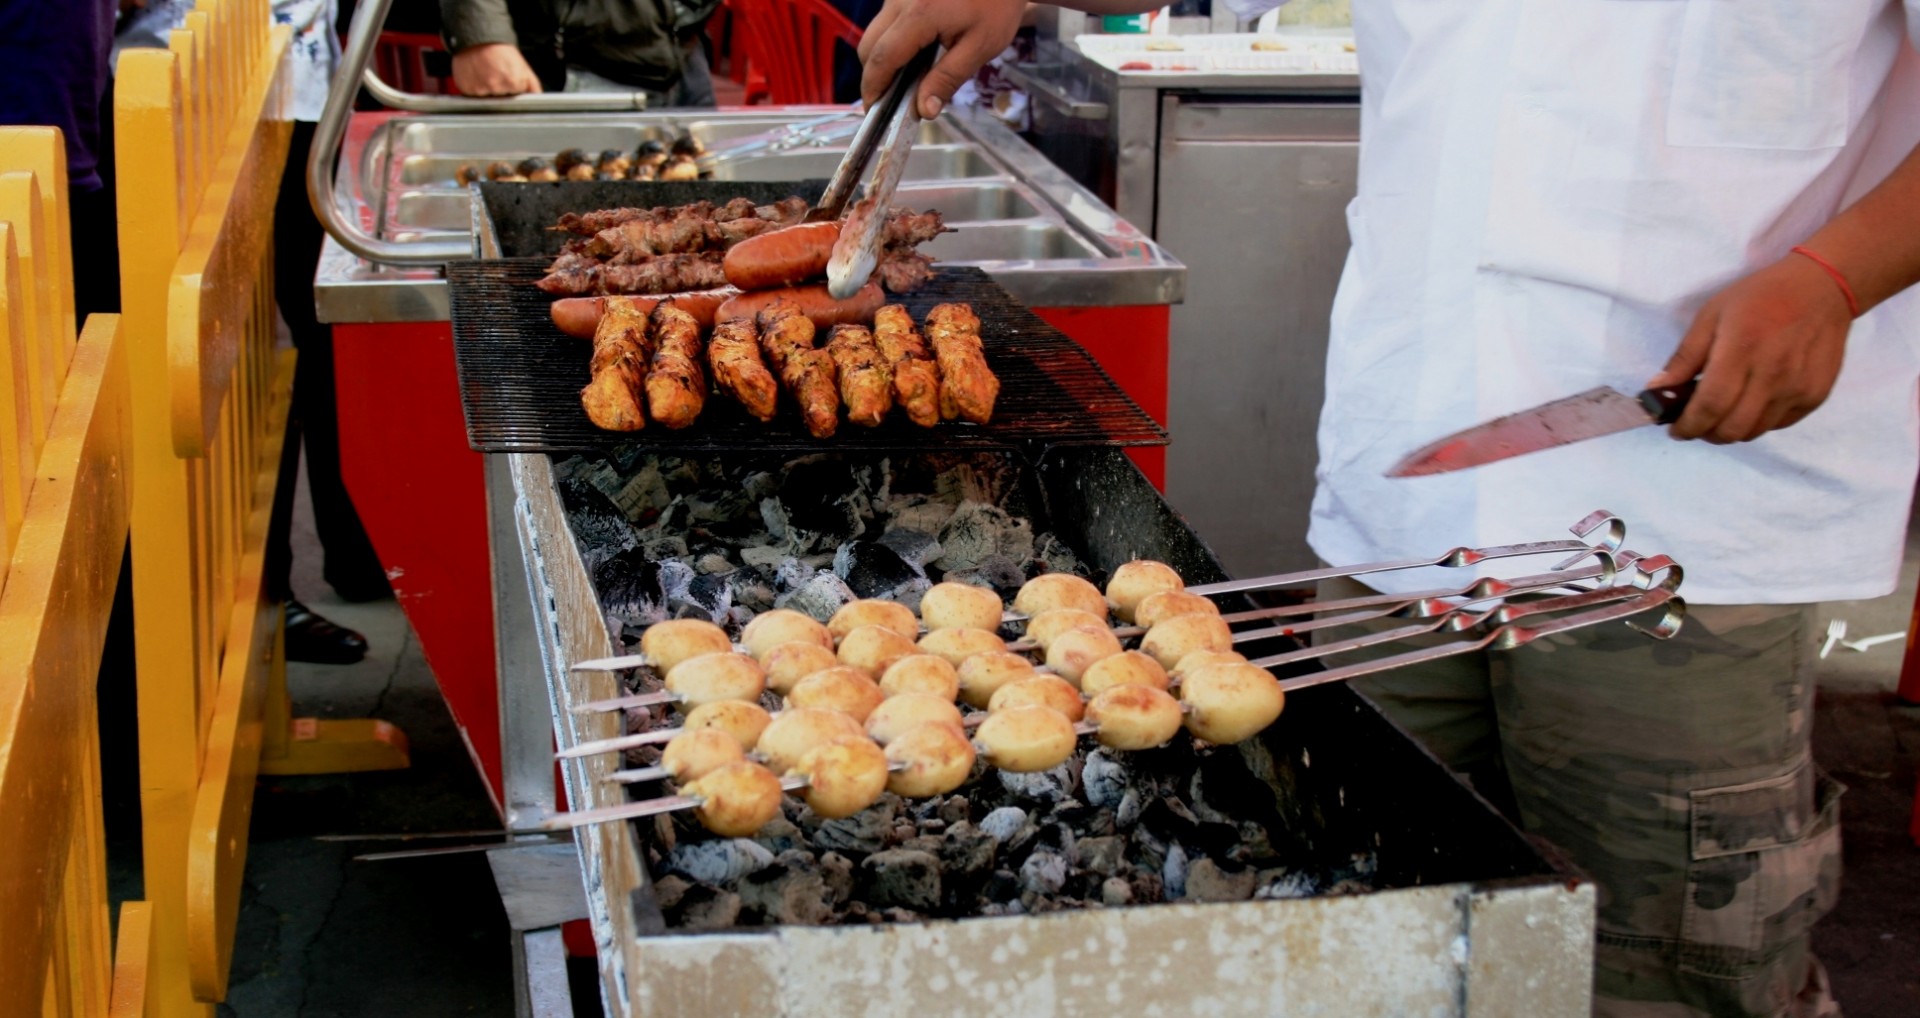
x=734 y=354
x=787 y=336
x=676 y=385
x=866 y=380
x=621 y=348
x=916 y=381
x=968 y=387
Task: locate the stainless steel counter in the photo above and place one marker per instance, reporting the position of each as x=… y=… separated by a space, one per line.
x=1040 y=234
x=1245 y=177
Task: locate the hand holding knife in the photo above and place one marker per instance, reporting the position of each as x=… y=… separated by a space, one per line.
x=1591 y=414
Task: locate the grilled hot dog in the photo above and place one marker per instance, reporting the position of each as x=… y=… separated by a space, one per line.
x=579 y=316
x=783 y=257
x=814 y=302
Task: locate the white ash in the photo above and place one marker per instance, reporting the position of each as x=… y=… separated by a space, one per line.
x=1173 y=873
x=1043 y=873
x=718 y=862
x=1003 y=823
x=1045 y=787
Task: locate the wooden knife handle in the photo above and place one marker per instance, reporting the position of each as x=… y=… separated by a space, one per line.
x=1667 y=404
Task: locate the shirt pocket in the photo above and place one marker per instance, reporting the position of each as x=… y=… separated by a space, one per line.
x=1765 y=74
x=1765 y=866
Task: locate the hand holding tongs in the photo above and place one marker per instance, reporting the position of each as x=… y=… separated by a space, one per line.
x=886 y=135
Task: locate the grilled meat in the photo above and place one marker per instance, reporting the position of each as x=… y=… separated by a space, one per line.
x=866 y=379
x=787 y=336
x=916 y=382
x=676 y=385
x=660 y=274
x=734 y=355
x=967 y=387
x=612 y=399
x=904 y=271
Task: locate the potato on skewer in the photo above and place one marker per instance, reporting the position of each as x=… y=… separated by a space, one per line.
x=1060 y=590
x=1136 y=580
x=934 y=758
x=921 y=673
x=791 y=662
x=1042 y=690
x=1076 y=650
x=1134 y=717
x=740 y=719
x=1203 y=658
x=1172 y=639
x=1043 y=628
x=1026 y=738
x=952 y=605
x=780 y=626
x=797 y=730
x=873 y=612
x=697 y=752
x=983 y=675
x=666 y=644
x=957 y=645
x=737 y=799
x=847 y=690
x=843 y=777
x=1231 y=702
x=872 y=649
x=1156 y=608
x=1127 y=668
x=719 y=676
x=897 y=714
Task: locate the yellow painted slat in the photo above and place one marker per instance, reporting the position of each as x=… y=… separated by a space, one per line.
x=53 y=619
x=20 y=205
x=40 y=151
x=132 y=956
x=17 y=448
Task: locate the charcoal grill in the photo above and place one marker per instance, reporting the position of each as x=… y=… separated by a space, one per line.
x=1469 y=919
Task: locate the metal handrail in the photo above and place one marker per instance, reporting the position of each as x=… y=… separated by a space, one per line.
x=354 y=70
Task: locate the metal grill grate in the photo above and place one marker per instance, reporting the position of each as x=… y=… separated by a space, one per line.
x=520 y=380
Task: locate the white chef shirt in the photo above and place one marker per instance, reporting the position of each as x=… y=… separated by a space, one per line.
x=1548 y=192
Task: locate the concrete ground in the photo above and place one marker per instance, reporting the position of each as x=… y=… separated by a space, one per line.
x=323 y=936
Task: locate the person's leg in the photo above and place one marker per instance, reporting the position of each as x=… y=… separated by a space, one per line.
x=351 y=567
x=1446 y=705
x=696 y=78
x=1679 y=775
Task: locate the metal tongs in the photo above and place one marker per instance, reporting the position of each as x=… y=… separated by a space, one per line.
x=884 y=138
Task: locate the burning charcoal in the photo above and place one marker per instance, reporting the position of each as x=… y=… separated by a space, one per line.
x=903 y=831
x=706 y=908
x=901 y=878
x=909 y=593
x=1043 y=873
x=601 y=530
x=779 y=836
x=759 y=485
x=708 y=597
x=1291 y=885
x=967 y=853
x=712 y=563
x=820 y=597
x=997 y=572
x=1003 y=823
x=1208 y=881
x=774 y=514
x=765 y=555
x=1055 y=556
x=917 y=548
x=955 y=809
x=1003 y=886
x=1147 y=888
x=1104 y=856
x=1048 y=786
x=644 y=492
x=933 y=826
x=1173 y=873
x=668 y=890
x=629 y=589
x=1132 y=806
x=1115 y=892
x=871 y=568
x=923 y=518
x=660 y=547
x=787 y=894
x=928 y=843
x=863 y=833
x=978 y=530
x=836 y=873
x=815 y=492
x=718 y=862
x=1106 y=778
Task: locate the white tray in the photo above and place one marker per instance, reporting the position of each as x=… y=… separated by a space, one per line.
x=1223 y=53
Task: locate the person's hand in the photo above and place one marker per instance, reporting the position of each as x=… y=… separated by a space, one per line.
x=1766 y=351
x=974 y=32
x=494 y=68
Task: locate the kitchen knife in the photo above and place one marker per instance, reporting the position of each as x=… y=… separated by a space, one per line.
x=1590 y=414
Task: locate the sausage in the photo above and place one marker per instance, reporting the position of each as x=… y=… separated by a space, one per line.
x=578 y=316
x=783 y=257
x=814 y=302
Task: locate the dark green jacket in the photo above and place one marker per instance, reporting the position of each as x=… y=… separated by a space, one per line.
x=634 y=42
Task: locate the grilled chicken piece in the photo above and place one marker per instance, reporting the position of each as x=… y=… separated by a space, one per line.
x=621 y=349
x=916 y=382
x=734 y=355
x=866 y=379
x=676 y=384
x=787 y=336
x=967 y=387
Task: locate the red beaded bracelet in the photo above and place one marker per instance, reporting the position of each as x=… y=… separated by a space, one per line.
x=1846 y=290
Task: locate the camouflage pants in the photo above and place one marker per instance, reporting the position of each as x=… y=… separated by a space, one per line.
x=1678 y=774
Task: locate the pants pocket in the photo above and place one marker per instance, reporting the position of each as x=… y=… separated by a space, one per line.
x=1765 y=866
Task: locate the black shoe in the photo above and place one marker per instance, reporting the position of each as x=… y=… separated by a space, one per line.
x=314 y=640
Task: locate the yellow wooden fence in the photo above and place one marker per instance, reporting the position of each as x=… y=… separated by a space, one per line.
x=65 y=430
x=202 y=135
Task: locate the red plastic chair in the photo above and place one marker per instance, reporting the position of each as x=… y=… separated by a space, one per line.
x=730 y=54
x=794 y=41
x=407 y=61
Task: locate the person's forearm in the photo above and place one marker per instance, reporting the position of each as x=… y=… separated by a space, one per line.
x=1875 y=243
x=470 y=23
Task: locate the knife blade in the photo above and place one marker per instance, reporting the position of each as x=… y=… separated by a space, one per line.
x=1591 y=414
